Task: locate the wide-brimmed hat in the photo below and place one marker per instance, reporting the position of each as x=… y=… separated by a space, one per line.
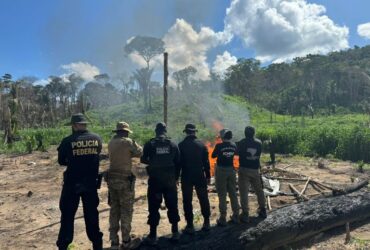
x=122 y=126
x=77 y=119
x=190 y=128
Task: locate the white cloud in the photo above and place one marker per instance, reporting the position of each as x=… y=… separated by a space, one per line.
x=279 y=30
x=187 y=47
x=41 y=82
x=82 y=69
x=223 y=62
x=364 y=30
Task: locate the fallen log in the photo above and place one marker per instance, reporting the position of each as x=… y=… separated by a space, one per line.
x=317 y=188
x=351 y=188
x=282 y=227
x=299 y=221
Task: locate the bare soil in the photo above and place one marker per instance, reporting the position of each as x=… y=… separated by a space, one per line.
x=30 y=187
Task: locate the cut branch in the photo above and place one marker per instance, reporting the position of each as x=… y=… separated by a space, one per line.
x=305 y=186
x=298 y=195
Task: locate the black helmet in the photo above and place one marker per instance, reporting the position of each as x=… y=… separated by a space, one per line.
x=226 y=134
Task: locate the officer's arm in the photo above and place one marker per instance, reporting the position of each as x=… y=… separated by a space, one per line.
x=136 y=149
x=177 y=161
x=62 y=153
x=259 y=149
x=215 y=151
x=206 y=164
x=100 y=145
x=145 y=157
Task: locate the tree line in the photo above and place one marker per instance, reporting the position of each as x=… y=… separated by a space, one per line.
x=324 y=84
x=315 y=84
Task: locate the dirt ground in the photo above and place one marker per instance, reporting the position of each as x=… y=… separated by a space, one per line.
x=29 y=211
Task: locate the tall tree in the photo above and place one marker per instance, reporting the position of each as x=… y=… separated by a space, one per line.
x=142 y=76
x=184 y=76
x=147 y=48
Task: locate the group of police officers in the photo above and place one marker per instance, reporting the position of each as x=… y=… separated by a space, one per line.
x=167 y=163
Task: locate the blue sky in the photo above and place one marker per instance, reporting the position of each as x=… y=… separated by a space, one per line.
x=40 y=36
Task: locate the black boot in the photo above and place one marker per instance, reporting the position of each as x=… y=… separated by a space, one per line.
x=175 y=232
x=262 y=213
x=189 y=229
x=174 y=228
x=206 y=224
x=151 y=239
x=98 y=246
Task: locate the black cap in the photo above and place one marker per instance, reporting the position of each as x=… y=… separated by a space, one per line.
x=226 y=134
x=249 y=131
x=190 y=128
x=160 y=127
x=78 y=119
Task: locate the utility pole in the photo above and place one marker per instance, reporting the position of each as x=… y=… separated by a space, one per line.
x=165 y=84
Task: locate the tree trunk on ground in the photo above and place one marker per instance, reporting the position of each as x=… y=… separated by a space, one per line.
x=300 y=221
x=283 y=226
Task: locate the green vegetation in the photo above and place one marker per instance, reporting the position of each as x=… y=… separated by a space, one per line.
x=360 y=244
x=345 y=137
x=317 y=105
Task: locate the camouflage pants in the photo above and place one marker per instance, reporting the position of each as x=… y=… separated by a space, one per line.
x=249 y=177
x=122 y=195
x=226 y=184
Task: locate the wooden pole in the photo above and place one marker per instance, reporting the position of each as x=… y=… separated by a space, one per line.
x=269 y=203
x=165 y=84
x=348 y=234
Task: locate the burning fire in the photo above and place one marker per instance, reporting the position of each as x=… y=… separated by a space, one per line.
x=217 y=126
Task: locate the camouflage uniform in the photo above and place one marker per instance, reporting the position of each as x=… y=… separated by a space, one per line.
x=121 y=185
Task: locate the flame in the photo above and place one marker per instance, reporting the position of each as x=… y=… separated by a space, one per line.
x=217 y=126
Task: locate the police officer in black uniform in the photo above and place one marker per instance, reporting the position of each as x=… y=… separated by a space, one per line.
x=163 y=159
x=195 y=172
x=80 y=153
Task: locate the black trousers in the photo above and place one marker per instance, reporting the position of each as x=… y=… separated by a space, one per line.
x=200 y=185
x=68 y=205
x=157 y=190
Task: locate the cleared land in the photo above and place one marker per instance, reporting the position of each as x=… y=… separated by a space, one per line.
x=31 y=184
